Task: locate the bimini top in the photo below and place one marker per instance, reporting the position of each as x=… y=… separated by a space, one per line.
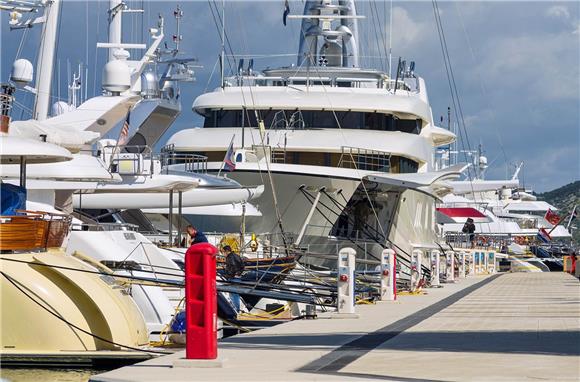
x=13 y=149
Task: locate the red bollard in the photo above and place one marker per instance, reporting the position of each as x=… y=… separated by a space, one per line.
x=201 y=302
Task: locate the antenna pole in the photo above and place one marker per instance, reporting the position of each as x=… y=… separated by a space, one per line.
x=390 y=39
x=115 y=24
x=178 y=13
x=223 y=61
x=45 y=64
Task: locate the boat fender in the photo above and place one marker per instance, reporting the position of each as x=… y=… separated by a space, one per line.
x=253 y=243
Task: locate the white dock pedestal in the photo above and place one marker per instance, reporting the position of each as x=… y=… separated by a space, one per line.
x=462 y=256
x=388 y=276
x=345 y=300
x=416 y=271
x=435 y=267
x=450 y=268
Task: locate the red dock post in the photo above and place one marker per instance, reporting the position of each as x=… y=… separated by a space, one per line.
x=201 y=302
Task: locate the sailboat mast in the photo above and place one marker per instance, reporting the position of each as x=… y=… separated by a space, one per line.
x=45 y=64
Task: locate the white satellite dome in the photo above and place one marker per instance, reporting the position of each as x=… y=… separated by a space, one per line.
x=149 y=84
x=22 y=72
x=116 y=76
x=60 y=107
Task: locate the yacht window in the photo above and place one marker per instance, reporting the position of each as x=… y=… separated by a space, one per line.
x=312 y=119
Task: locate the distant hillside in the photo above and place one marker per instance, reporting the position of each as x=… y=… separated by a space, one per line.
x=565 y=198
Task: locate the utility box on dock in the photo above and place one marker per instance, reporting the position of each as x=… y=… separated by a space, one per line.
x=388 y=276
x=345 y=281
x=435 y=267
x=201 y=302
x=491 y=267
x=462 y=265
x=416 y=271
x=450 y=268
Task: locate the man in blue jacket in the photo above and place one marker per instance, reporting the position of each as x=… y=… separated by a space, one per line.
x=195 y=236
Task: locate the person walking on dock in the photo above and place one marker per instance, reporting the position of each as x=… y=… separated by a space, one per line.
x=469 y=229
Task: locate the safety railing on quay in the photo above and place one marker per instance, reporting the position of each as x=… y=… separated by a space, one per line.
x=480 y=240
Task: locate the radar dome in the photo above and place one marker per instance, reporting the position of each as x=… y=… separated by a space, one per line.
x=149 y=84
x=116 y=76
x=483 y=160
x=22 y=72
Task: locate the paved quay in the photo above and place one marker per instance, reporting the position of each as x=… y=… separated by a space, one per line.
x=509 y=327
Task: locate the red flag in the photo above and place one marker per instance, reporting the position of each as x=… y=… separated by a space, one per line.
x=552 y=217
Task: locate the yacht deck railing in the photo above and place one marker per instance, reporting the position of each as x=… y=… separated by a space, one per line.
x=365 y=159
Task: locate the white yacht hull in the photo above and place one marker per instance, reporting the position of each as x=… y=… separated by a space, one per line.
x=157 y=304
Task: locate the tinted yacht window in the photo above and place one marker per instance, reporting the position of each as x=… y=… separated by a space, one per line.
x=311 y=119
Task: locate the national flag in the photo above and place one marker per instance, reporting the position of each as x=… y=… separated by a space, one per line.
x=229 y=163
x=124 y=134
x=552 y=217
x=286 y=12
x=543 y=236
x=573 y=216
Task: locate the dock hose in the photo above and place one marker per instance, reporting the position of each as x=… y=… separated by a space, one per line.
x=13 y=282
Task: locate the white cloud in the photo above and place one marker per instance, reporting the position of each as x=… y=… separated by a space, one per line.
x=406 y=30
x=540 y=65
x=558 y=11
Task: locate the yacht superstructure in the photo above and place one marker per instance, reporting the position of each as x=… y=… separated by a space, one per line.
x=345 y=152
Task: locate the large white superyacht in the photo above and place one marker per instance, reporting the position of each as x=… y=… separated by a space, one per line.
x=345 y=152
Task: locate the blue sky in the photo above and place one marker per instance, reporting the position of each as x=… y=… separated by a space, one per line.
x=516 y=64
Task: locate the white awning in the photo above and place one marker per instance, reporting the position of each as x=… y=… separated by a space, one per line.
x=34 y=151
x=418 y=179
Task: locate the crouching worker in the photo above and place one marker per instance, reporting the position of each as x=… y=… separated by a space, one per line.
x=234 y=262
x=193 y=236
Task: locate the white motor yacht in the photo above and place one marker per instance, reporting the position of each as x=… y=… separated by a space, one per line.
x=345 y=152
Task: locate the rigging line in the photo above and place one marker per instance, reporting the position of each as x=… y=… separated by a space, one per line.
x=211 y=75
x=308 y=197
x=390 y=38
x=375 y=30
x=287 y=207
x=218 y=21
x=258 y=120
x=22 y=39
x=325 y=90
x=382 y=37
x=58 y=316
x=451 y=79
x=357 y=170
x=386 y=238
x=481 y=83
x=453 y=94
x=139 y=278
x=86 y=34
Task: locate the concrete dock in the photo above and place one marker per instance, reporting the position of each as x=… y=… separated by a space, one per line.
x=508 y=327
